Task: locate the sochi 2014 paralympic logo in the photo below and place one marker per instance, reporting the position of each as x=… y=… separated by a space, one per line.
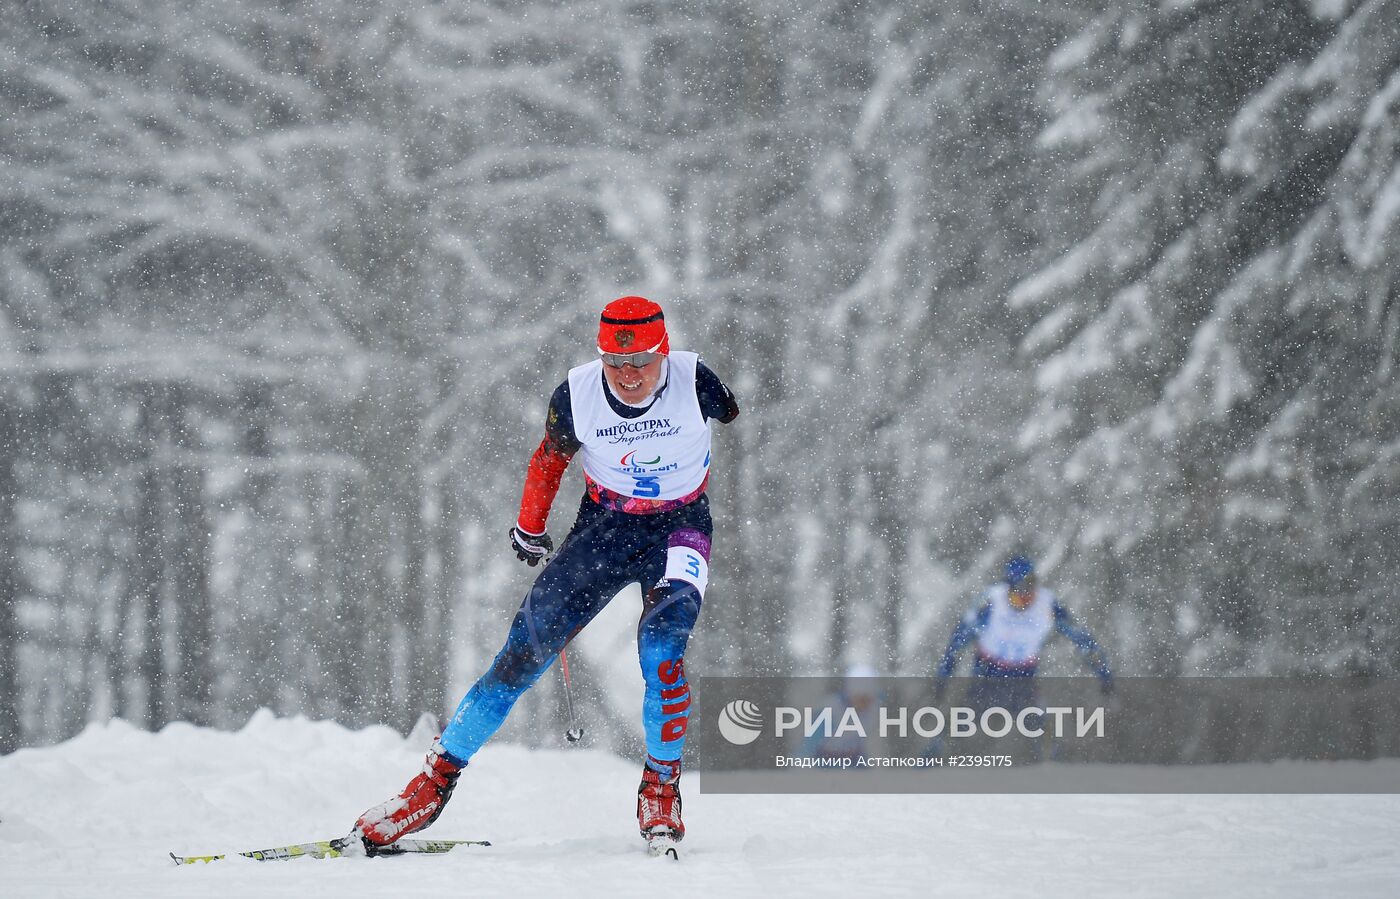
x=740 y=722
x=630 y=460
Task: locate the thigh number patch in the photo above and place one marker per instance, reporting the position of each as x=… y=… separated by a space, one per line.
x=686 y=564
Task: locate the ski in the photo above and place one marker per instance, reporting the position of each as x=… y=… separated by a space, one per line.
x=344 y=846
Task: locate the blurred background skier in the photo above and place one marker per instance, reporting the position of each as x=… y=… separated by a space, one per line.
x=860 y=692
x=1011 y=623
x=640 y=415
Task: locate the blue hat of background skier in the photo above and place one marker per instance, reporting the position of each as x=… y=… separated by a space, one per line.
x=1018 y=568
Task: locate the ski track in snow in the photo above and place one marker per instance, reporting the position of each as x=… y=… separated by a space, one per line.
x=95 y=817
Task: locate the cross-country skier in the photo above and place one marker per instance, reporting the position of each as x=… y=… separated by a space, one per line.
x=861 y=693
x=1011 y=623
x=640 y=416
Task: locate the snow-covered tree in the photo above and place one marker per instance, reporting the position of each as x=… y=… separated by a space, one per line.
x=1207 y=148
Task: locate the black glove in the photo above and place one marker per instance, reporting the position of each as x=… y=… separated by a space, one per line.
x=530 y=548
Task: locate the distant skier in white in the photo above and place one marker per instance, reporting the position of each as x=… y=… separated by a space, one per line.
x=1011 y=623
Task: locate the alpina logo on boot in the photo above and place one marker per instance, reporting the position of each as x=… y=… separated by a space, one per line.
x=740 y=722
x=407 y=823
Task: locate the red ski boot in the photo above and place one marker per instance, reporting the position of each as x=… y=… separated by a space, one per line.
x=659 y=810
x=415 y=808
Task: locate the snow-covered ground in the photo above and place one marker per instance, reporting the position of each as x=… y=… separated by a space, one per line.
x=95 y=817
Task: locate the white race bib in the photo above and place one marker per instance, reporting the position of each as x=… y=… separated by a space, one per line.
x=663 y=454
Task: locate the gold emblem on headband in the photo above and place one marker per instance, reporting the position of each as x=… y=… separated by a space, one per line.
x=624 y=338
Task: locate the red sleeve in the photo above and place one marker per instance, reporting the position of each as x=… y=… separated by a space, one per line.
x=541 y=485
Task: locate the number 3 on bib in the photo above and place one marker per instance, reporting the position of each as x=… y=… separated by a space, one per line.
x=688 y=565
x=647 y=487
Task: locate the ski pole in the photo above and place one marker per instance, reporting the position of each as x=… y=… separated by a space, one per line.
x=575 y=733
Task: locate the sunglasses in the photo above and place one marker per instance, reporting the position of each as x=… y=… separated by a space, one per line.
x=636 y=360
